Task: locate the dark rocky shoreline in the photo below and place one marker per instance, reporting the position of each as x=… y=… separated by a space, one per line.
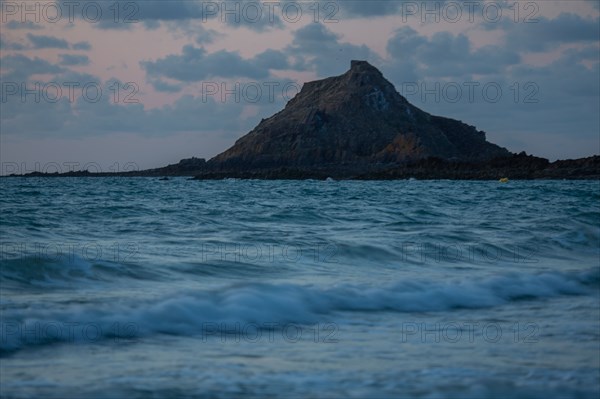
x=516 y=167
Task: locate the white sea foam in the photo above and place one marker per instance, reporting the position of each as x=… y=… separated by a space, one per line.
x=190 y=312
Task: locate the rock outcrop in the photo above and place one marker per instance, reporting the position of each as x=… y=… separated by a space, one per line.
x=353 y=120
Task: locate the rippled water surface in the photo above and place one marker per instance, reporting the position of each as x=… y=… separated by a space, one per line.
x=135 y=287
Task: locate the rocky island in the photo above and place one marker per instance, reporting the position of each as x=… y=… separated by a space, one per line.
x=357 y=126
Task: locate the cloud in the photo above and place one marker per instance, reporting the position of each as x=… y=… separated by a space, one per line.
x=100 y=115
x=42 y=41
x=151 y=24
x=125 y=15
x=40 y=112
x=426 y=12
x=9 y=45
x=207 y=36
x=82 y=46
x=19 y=68
x=73 y=59
x=250 y=14
x=196 y=64
x=193 y=30
x=312 y=35
x=23 y=25
x=445 y=55
x=165 y=87
x=316 y=47
x=313 y=46
x=272 y=59
x=361 y=8
x=176 y=10
x=546 y=34
x=590 y=53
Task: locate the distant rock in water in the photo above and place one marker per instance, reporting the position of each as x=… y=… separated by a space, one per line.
x=354 y=119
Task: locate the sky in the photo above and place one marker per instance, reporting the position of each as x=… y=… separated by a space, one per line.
x=123 y=85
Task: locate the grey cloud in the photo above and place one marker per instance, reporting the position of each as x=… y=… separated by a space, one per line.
x=206 y=35
x=73 y=59
x=133 y=11
x=316 y=46
x=176 y=10
x=127 y=14
x=273 y=59
x=546 y=34
x=361 y=8
x=29 y=25
x=251 y=14
x=446 y=54
x=18 y=68
x=82 y=46
x=89 y=118
x=566 y=28
x=83 y=116
x=7 y=45
x=151 y=24
x=192 y=29
x=410 y=10
x=165 y=87
x=444 y=47
x=108 y=24
x=313 y=34
x=42 y=41
x=195 y=64
x=585 y=53
x=150 y=13
x=404 y=41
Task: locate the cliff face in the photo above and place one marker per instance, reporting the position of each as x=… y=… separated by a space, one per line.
x=357 y=118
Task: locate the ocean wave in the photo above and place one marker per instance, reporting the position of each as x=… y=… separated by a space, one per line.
x=72 y=271
x=274 y=305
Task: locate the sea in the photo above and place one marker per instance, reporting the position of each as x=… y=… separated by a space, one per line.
x=115 y=287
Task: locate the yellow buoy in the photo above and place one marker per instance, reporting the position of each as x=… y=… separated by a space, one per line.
x=504 y=180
